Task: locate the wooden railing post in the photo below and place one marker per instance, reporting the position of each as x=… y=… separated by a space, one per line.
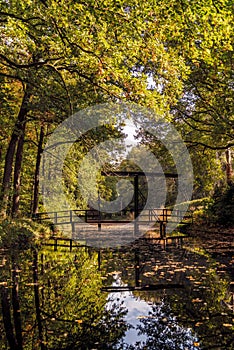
x=99 y=259
x=86 y=215
x=73 y=227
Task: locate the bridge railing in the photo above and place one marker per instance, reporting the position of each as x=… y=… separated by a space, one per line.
x=94 y=216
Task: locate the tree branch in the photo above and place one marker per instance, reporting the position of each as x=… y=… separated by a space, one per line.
x=29 y=65
x=12 y=15
x=215 y=148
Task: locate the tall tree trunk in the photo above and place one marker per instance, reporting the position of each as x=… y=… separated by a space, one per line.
x=37 y=170
x=16 y=306
x=229 y=170
x=11 y=151
x=37 y=299
x=17 y=172
x=6 y=313
x=0 y=153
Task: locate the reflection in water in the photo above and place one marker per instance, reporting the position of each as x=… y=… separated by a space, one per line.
x=136 y=308
x=53 y=300
x=59 y=300
x=189 y=284
x=150 y=326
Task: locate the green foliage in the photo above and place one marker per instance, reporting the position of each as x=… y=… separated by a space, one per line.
x=78 y=161
x=72 y=306
x=204 y=310
x=174 y=57
x=207 y=168
x=21 y=234
x=221 y=210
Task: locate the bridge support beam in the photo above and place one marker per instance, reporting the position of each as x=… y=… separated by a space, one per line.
x=136 y=203
x=162 y=229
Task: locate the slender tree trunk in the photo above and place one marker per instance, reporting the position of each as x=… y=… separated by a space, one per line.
x=0 y=153
x=16 y=307
x=11 y=152
x=37 y=170
x=37 y=299
x=17 y=172
x=7 y=173
x=1 y=162
x=6 y=313
x=229 y=170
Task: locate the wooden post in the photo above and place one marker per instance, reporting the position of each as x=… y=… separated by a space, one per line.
x=99 y=259
x=99 y=213
x=136 y=204
x=136 y=199
x=73 y=227
x=86 y=215
x=162 y=229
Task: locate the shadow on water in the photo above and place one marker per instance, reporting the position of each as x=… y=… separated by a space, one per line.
x=136 y=297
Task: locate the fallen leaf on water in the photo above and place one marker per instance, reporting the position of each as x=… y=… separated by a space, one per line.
x=148 y=274
x=3 y=283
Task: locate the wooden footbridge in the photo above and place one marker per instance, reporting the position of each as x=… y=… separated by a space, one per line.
x=137 y=216
x=157 y=218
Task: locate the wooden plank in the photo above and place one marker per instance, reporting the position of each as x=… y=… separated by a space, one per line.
x=138 y=173
x=117 y=289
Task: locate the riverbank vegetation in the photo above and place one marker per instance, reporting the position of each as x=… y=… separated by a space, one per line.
x=57 y=58
x=60 y=57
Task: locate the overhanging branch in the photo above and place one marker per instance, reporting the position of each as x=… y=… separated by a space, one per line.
x=215 y=148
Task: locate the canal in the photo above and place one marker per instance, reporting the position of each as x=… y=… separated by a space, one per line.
x=140 y=296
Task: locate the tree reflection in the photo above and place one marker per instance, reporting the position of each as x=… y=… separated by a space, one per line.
x=53 y=300
x=159 y=330
x=202 y=307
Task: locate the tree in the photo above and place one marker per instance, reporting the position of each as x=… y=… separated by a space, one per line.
x=97 y=49
x=205 y=110
x=69 y=55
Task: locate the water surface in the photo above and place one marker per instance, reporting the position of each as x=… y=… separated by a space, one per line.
x=141 y=296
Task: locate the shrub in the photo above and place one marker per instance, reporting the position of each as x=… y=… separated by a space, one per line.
x=21 y=234
x=222 y=210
